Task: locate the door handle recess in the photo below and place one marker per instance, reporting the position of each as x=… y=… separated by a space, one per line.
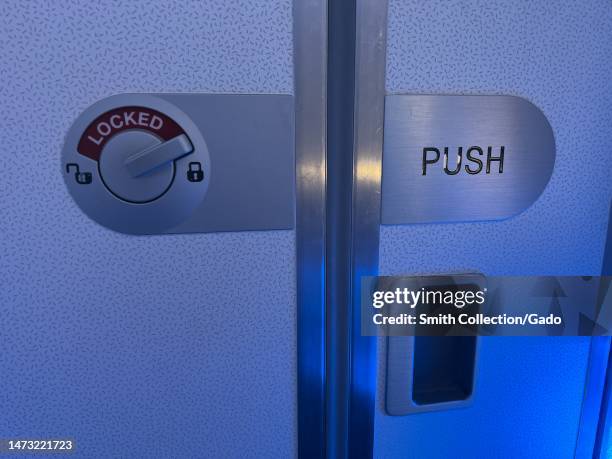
x=430 y=373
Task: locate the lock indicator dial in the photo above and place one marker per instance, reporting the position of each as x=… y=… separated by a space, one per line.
x=143 y=150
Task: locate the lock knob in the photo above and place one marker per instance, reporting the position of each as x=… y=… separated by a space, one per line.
x=137 y=167
x=117 y=177
x=152 y=157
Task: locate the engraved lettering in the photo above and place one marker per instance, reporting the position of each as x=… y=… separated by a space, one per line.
x=429 y=161
x=473 y=163
x=459 y=157
x=471 y=158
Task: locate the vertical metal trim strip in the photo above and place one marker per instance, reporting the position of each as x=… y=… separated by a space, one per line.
x=593 y=398
x=310 y=74
x=340 y=110
x=603 y=447
x=370 y=62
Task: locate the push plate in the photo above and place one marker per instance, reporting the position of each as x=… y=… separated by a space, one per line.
x=463 y=158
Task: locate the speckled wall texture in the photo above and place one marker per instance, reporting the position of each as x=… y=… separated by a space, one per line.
x=558 y=55
x=137 y=346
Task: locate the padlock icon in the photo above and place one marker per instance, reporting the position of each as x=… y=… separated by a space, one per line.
x=82 y=178
x=195 y=172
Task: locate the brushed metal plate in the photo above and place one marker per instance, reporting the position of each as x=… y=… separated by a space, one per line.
x=244 y=144
x=486 y=128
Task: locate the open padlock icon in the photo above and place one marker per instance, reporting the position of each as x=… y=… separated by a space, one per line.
x=82 y=178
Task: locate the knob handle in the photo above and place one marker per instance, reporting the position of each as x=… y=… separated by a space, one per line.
x=157 y=155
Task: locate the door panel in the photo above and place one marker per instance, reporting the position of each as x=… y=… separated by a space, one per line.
x=186 y=345
x=132 y=345
x=529 y=391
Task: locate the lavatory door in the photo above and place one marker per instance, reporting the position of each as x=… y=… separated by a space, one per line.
x=148 y=275
x=524 y=396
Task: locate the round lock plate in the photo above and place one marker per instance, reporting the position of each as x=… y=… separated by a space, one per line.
x=129 y=162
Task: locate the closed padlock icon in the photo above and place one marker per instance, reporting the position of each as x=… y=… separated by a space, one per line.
x=82 y=178
x=195 y=172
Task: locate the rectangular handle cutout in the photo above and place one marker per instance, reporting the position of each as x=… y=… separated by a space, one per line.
x=431 y=373
x=443 y=369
